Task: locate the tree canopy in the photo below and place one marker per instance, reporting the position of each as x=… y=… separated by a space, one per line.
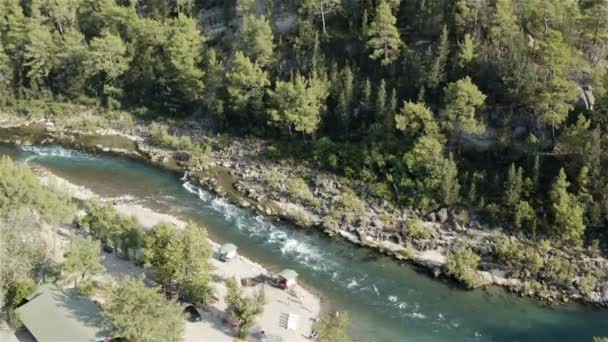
x=141 y=313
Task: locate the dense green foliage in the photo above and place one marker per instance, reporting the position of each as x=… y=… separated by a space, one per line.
x=124 y=234
x=242 y=308
x=181 y=258
x=141 y=313
x=26 y=205
x=83 y=258
x=21 y=188
x=429 y=103
x=334 y=328
x=462 y=264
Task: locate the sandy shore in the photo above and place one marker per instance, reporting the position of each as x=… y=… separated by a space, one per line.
x=299 y=302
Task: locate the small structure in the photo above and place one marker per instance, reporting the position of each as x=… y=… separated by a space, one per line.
x=287 y=278
x=227 y=252
x=53 y=314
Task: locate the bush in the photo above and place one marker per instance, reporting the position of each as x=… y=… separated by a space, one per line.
x=273 y=152
x=86 y=287
x=120 y=232
x=20 y=187
x=200 y=156
x=160 y=136
x=462 y=264
x=298 y=188
x=20 y=290
x=274 y=177
x=243 y=309
x=560 y=271
x=351 y=202
x=587 y=283
x=417 y=230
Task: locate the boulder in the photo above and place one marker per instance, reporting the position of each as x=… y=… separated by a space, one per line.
x=442 y=215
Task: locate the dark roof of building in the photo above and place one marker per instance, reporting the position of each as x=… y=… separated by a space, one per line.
x=56 y=315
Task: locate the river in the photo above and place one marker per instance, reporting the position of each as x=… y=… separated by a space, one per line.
x=387 y=301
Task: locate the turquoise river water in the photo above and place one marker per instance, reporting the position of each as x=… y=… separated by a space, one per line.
x=386 y=300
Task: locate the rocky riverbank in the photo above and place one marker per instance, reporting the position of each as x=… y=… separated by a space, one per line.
x=237 y=169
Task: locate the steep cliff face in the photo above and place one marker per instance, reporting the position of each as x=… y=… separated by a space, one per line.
x=216 y=20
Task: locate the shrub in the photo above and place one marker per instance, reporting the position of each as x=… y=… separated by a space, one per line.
x=273 y=152
x=559 y=271
x=200 y=156
x=274 y=177
x=243 y=309
x=121 y=232
x=510 y=251
x=351 y=202
x=462 y=264
x=20 y=290
x=587 y=283
x=298 y=188
x=20 y=187
x=86 y=287
x=330 y=222
x=418 y=230
x=160 y=136
x=382 y=190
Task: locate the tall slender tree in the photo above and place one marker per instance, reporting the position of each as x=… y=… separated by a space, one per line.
x=383 y=37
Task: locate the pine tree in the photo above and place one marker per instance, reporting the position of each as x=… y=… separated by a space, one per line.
x=256 y=39
x=567 y=213
x=195 y=275
x=416 y=119
x=462 y=100
x=107 y=61
x=246 y=84
x=554 y=102
x=595 y=21
x=436 y=74
x=243 y=309
x=505 y=22
x=466 y=52
x=366 y=103
x=449 y=188
x=389 y=116
x=514 y=186
x=323 y=7
x=297 y=104
x=40 y=54
x=524 y=213
x=383 y=37
x=583 y=196
x=184 y=48
x=345 y=98
x=380 y=107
